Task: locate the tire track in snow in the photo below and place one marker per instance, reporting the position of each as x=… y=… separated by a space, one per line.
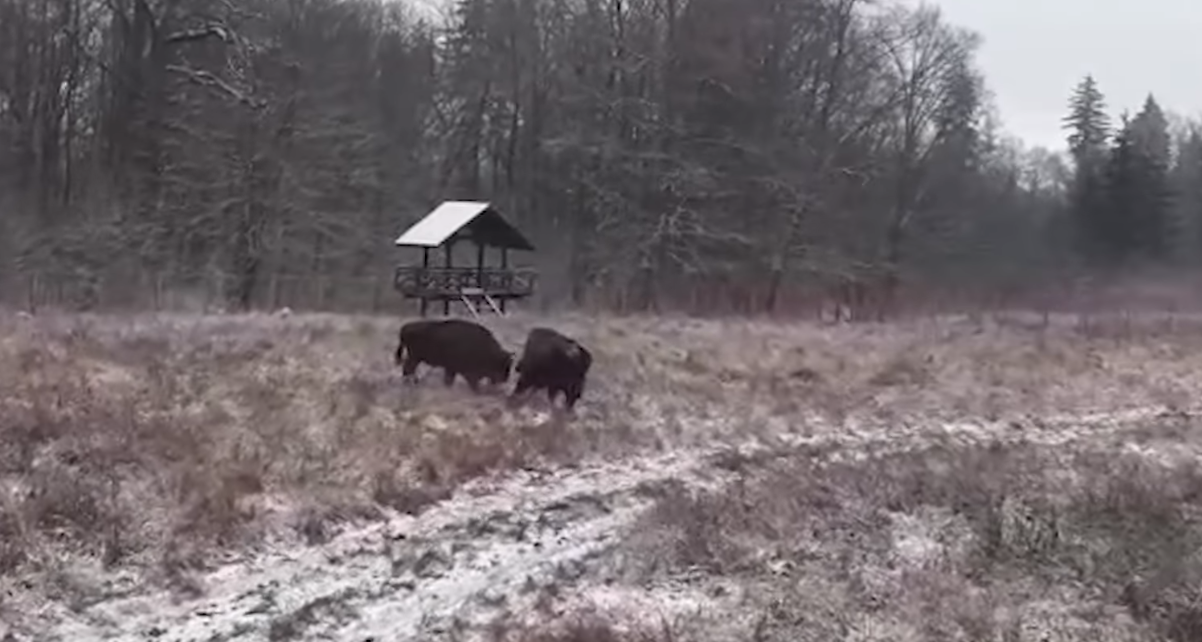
x=469 y=558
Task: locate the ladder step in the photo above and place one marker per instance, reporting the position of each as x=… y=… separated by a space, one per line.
x=493 y=304
x=471 y=308
x=468 y=294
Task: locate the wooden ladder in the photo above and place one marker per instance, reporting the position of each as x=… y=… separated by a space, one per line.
x=467 y=294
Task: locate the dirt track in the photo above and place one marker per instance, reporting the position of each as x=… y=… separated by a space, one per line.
x=489 y=550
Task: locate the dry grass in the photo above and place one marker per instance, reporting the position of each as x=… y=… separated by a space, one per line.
x=158 y=441
x=987 y=542
x=582 y=626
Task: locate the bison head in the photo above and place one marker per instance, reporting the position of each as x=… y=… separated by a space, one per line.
x=504 y=366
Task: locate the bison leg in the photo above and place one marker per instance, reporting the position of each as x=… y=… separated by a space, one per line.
x=409 y=367
x=400 y=353
x=519 y=391
x=473 y=382
x=571 y=396
x=448 y=377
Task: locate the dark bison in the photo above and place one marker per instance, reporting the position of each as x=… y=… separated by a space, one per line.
x=553 y=362
x=458 y=346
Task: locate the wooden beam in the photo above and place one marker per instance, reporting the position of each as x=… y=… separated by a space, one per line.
x=504 y=266
x=479 y=265
x=425 y=266
x=446 y=303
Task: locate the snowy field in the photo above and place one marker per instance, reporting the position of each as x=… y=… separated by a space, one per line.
x=269 y=477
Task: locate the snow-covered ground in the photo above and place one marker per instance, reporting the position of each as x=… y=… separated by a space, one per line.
x=488 y=552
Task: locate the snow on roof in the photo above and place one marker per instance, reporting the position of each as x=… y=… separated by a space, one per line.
x=441 y=224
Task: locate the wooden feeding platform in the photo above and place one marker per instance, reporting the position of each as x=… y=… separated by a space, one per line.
x=477 y=287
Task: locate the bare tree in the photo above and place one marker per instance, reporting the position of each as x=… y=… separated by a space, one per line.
x=660 y=151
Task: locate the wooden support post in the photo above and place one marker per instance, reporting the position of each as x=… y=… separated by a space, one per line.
x=480 y=265
x=424 y=276
x=504 y=266
x=446 y=301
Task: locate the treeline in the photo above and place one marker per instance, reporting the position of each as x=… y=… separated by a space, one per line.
x=651 y=148
x=1136 y=195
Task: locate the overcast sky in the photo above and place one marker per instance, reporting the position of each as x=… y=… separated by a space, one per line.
x=1034 y=51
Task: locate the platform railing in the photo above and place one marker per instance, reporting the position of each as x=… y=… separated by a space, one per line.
x=417 y=281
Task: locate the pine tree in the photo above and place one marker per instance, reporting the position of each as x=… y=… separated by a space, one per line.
x=1088 y=123
x=1150 y=131
x=1134 y=220
x=1152 y=143
x=1186 y=179
x=1113 y=228
x=1089 y=129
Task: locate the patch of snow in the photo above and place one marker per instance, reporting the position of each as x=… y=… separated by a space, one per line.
x=490 y=548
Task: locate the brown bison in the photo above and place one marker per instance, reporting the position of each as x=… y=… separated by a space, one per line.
x=459 y=347
x=554 y=362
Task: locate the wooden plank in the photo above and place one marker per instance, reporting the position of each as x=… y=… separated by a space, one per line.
x=471 y=308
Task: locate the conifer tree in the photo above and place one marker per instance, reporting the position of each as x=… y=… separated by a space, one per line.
x=1150 y=131
x=1134 y=220
x=1112 y=227
x=1089 y=129
x=1186 y=180
x=1088 y=124
x=1151 y=141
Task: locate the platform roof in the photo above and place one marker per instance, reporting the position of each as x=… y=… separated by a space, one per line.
x=479 y=222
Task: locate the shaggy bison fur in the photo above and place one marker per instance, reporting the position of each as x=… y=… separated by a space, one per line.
x=459 y=347
x=553 y=362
